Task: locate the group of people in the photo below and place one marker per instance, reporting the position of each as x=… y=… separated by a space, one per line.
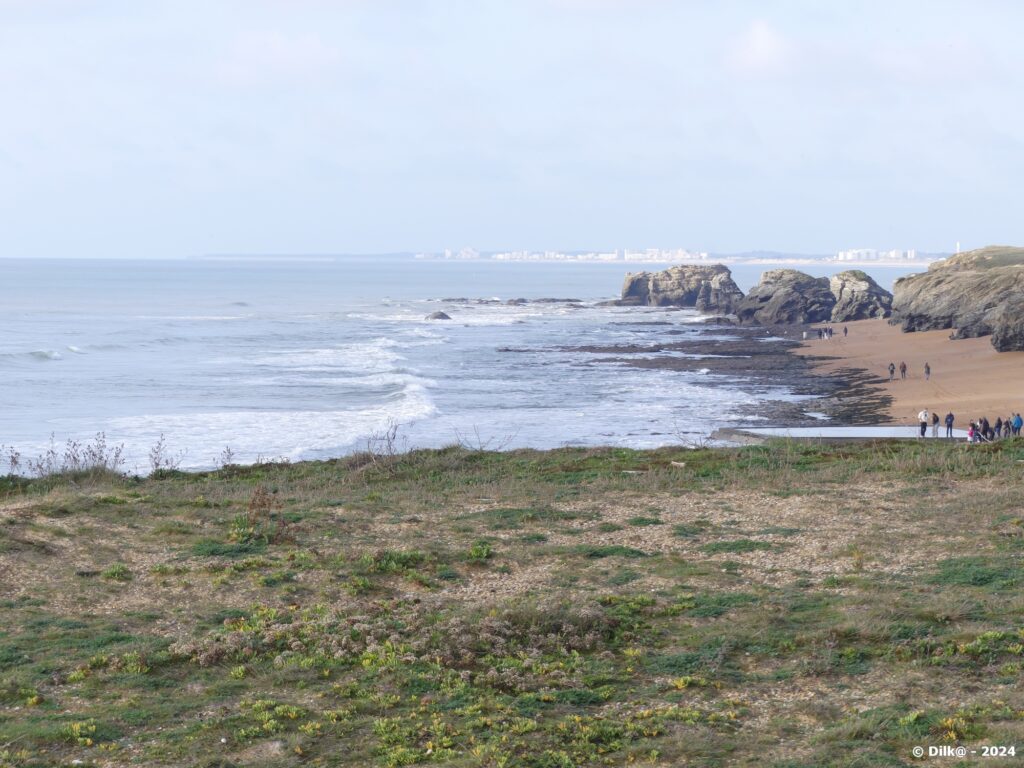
x=903 y=371
x=828 y=331
x=980 y=431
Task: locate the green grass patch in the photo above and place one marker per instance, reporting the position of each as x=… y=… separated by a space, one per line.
x=214 y=548
x=595 y=552
x=995 y=572
x=736 y=546
x=641 y=521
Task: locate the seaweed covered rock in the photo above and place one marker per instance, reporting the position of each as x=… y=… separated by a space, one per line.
x=786 y=296
x=858 y=297
x=707 y=288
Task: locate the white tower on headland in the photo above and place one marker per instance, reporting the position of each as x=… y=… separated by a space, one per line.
x=958 y=246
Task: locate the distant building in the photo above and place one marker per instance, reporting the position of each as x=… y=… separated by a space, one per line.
x=870 y=254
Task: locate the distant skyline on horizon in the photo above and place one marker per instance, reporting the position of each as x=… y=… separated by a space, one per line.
x=182 y=129
x=328 y=254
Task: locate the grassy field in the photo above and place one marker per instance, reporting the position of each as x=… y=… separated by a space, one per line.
x=786 y=605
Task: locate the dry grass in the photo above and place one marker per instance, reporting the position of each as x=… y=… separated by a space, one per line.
x=786 y=606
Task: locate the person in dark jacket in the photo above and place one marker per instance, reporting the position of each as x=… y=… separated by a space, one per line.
x=903 y=370
x=950 y=418
x=892 y=371
x=935 y=423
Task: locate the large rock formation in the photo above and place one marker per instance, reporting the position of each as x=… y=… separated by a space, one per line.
x=1008 y=326
x=707 y=288
x=971 y=293
x=858 y=297
x=787 y=296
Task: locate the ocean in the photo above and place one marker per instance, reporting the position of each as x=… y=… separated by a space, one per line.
x=311 y=358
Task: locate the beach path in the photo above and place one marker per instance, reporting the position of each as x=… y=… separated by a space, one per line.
x=968 y=376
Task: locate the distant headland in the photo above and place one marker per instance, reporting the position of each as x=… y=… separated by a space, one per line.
x=975 y=293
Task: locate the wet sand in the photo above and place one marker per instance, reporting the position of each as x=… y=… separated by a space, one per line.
x=968 y=376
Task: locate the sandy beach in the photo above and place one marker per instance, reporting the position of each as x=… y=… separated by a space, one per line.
x=968 y=376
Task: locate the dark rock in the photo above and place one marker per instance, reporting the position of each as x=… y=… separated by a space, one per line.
x=1008 y=327
x=970 y=293
x=718 y=320
x=437 y=316
x=515 y=302
x=858 y=297
x=787 y=296
x=632 y=301
x=706 y=288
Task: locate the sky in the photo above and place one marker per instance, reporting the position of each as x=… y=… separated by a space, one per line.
x=175 y=129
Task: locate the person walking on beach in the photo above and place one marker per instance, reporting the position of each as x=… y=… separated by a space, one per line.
x=1018 y=422
x=935 y=424
x=923 y=418
x=892 y=371
x=927 y=371
x=845 y=331
x=950 y=418
x=986 y=429
x=903 y=370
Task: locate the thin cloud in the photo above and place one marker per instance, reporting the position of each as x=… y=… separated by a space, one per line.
x=270 y=57
x=761 y=50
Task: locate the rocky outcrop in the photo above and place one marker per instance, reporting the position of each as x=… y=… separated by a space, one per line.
x=1008 y=327
x=437 y=316
x=858 y=297
x=970 y=293
x=786 y=296
x=707 y=288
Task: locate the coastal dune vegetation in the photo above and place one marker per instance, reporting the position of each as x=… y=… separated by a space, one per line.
x=784 y=605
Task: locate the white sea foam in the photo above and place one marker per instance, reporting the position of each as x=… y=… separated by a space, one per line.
x=394 y=380
x=46 y=354
x=377 y=355
x=291 y=434
x=195 y=318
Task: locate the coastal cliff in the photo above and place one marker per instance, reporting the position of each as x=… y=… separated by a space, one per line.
x=707 y=288
x=976 y=293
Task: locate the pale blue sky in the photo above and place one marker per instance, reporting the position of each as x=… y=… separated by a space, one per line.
x=168 y=129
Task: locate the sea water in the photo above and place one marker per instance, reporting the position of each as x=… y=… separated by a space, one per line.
x=311 y=358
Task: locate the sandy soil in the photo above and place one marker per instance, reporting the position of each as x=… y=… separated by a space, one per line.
x=968 y=376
